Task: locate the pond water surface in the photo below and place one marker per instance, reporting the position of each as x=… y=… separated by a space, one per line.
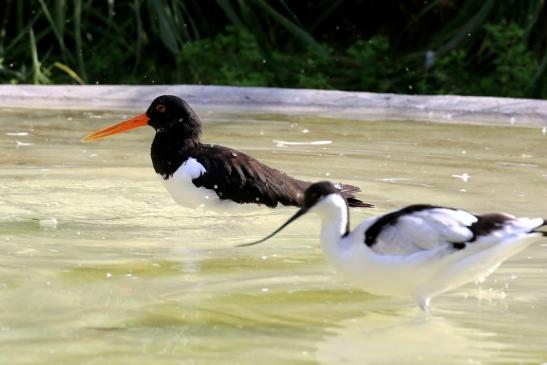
x=98 y=265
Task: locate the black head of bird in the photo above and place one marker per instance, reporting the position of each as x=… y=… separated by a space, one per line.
x=167 y=114
x=314 y=196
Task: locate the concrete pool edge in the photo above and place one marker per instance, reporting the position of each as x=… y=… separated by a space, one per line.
x=326 y=103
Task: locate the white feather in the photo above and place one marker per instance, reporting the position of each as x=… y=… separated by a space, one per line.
x=415 y=256
x=181 y=188
x=424 y=230
x=185 y=193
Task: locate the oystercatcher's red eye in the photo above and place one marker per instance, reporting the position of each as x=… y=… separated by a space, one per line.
x=161 y=108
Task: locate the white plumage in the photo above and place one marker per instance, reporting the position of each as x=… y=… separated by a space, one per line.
x=419 y=251
x=184 y=192
x=423 y=230
x=416 y=256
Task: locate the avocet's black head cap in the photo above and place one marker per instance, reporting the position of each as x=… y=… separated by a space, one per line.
x=169 y=112
x=317 y=191
x=313 y=195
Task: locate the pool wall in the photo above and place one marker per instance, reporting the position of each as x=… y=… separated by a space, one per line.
x=327 y=103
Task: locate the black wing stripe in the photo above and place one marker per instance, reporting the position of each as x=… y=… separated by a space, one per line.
x=372 y=233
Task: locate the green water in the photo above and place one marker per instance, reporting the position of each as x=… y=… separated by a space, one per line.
x=99 y=266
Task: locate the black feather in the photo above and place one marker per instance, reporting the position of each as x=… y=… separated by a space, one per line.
x=231 y=174
x=543 y=233
x=488 y=223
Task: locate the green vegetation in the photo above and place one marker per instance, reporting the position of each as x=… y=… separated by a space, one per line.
x=466 y=47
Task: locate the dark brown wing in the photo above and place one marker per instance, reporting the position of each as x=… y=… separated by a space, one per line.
x=242 y=179
x=239 y=177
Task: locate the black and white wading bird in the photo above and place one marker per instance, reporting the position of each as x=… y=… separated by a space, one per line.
x=211 y=176
x=419 y=251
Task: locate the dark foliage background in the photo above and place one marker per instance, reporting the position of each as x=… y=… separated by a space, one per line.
x=484 y=47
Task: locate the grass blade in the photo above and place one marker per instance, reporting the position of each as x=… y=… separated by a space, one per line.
x=230 y=12
x=78 y=37
x=294 y=29
x=55 y=28
x=167 y=31
x=70 y=72
x=37 y=76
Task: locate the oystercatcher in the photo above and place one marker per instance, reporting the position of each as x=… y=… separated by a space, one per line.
x=418 y=251
x=203 y=175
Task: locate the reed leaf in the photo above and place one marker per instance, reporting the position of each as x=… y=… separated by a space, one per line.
x=230 y=12
x=77 y=17
x=59 y=15
x=167 y=31
x=55 y=28
x=70 y=72
x=292 y=28
x=37 y=76
x=137 y=4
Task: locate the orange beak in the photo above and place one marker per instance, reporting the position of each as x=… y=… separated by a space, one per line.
x=139 y=121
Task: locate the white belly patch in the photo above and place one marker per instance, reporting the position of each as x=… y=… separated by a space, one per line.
x=181 y=188
x=185 y=193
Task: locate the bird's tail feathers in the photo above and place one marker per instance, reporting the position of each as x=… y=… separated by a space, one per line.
x=543 y=233
x=347 y=188
x=356 y=203
x=348 y=192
